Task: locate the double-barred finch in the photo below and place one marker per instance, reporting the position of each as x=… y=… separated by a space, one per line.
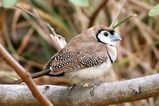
x=86 y=57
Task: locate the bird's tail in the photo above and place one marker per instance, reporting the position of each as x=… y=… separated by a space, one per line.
x=35 y=75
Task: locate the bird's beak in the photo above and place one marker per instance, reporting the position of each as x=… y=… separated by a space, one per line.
x=116 y=37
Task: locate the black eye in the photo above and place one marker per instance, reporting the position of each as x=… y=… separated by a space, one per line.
x=105 y=34
x=112 y=32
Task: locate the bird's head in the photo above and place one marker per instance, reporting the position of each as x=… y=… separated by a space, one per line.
x=106 y=35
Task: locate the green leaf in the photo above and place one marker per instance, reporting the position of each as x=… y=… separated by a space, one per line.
x=8 y=3
x=82 y=3
x=154 y=11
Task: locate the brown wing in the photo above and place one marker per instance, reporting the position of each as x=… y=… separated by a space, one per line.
x=75 y=58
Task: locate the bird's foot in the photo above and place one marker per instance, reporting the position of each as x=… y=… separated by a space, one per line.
x=71 y=87
x=95 y=84
x=86 y=85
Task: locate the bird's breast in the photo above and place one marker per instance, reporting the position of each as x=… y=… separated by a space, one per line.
x=89 y=73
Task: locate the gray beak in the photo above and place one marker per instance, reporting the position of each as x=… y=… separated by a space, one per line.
x=116 y=37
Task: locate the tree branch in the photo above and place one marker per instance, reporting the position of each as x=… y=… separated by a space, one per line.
x=25 y=76
x=105 y=94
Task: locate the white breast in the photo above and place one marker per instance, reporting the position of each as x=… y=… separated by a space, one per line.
x=88 y=73
x=84 y=75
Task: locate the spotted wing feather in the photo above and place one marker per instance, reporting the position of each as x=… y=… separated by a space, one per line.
x=73 y=60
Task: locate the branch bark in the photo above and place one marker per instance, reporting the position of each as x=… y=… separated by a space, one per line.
x=25 y=76
x=104 y=94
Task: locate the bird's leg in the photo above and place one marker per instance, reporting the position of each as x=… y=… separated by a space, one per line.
x=71 y=87
x=93 y=88
x=95 y=84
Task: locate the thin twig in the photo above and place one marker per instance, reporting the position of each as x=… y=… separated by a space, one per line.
x=37 y=16
x=30 y=13
x=59 y=40
x=96 y=12
x=25 y=76
x=25 y=41
x=119 y=11
x=123 y=20
x=6 y=33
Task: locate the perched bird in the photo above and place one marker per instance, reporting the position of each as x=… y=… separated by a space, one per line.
x=86 y=57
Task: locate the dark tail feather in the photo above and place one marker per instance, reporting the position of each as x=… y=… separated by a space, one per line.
x=35 y=75
x=40 y=73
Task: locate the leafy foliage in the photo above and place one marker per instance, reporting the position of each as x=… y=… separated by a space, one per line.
x=82 y=3
x=8 y=3
x=154 y=11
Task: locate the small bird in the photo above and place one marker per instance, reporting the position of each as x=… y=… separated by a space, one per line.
x=86 y=57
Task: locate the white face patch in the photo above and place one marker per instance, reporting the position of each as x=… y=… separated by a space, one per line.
x=105 y=37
